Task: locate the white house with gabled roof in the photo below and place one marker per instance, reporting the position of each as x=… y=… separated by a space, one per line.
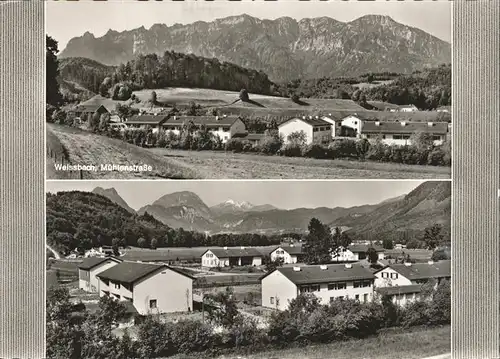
x=327 y=282
x=90 y=268
x=316 y=130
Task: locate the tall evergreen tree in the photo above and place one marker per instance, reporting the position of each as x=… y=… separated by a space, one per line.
x=53 y=95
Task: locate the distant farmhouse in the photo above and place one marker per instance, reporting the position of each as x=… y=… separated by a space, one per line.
x=90 y=268
x=356 y=252
x=318 y=131
x=327 y=282
x=230 y=257
x=146 y=121
x=225 y=127
x=408 y=108
x=151 y=288
x=290 y=254
x=85 y=112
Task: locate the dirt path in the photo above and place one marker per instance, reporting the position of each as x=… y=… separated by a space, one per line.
x=54 y=252
x=85 y=148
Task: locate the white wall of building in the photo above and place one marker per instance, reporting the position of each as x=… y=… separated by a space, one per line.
x=277 y=291
x=281 y=253
x=88 y=280
x=354 y=123
x=296 y=125
x=173 y=292
x=388 y=277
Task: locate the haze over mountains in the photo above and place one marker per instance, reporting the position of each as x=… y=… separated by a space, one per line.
x=284 y=48
x=428 y=204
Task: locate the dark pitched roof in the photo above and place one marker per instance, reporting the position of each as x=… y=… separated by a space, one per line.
x=209 y=121
x=294 y=250
x=424 y=270
x=91 y=262
x=254 y=136
x=313 y=274
x=309 y=120
x=363 y=248
x=131 y=272
x=232 y=252
x=409 y=127
x=147 y=119
x=403 y=289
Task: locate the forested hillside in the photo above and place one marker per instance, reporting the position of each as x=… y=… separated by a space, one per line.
x=84 y=220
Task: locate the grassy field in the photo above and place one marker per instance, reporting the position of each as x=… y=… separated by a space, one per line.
x=219 y=98
x=263 y=106
x=86 y=148
x=395 y=344
x=216 y=165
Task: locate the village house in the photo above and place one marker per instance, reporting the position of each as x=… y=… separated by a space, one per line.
x=446 y=109
x=327 y=282
x=90 y=268
x=401 y=295
x=356 y=252
x=224 y=127
x=399 y=133
x=86 y=111
x=290 y=254
x=384 y=106
x=317 y=131
x=335 y=125
x=231 y=257
x=408 y=108
x=351 y=126
x=146 y=121
x=412 y=273
x=151 y=288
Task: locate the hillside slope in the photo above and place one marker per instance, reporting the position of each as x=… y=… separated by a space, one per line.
x=113 y=196
x=283 y=48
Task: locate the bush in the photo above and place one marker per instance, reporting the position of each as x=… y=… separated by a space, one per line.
x=270 y=145
x=291 y=150
x=234 y=144
x=344 y=148
x=192 y=336
x=316 y=151
x=436 y=157
x=415 y=314
x=245 y=333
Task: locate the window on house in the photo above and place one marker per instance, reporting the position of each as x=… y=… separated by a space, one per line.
x=365 y=298
x=152 y=303
x=357 y=297
x=271 y=300
x=337 y=286
x=436 y=138
x=394 y=275
x=117 y=285
x=361 y=283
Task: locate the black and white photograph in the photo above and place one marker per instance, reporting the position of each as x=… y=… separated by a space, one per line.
x=226 y=90
x=247 y=269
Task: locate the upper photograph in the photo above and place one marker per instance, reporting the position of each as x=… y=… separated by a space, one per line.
x=275 y=90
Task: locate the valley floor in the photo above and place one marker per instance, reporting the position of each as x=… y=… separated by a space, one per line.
x=392 y=344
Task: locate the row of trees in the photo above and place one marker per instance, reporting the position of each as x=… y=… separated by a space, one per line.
x=74 y=333
x=85 y=220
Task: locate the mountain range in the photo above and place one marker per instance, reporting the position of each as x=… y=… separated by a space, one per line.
x=408 y=215
x=283 y=48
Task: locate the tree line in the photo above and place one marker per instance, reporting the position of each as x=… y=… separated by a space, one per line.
x=426 y=89
x=84 y=220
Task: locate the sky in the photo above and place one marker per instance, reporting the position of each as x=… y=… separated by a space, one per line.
x=68 y=19
x=281 y=194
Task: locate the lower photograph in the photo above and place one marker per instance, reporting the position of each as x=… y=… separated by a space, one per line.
x=248 y=269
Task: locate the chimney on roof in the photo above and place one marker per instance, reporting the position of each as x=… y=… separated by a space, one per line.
x=317 y=117
x=296 y=269
x=310 y=117
x=175 y=118
x=329 y=114
x=292 y=245
x=242 y=247
x=431 y=262
x=430 y=124
x=303 y=117
x=408 y=264
x=348 y=265
x=377 y=123
x=323 y=267
x=216 y=118
x=403 y=123
x=225 y=248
